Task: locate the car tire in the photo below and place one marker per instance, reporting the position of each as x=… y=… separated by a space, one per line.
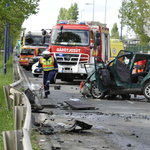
x=35 y=75
x=95 y=92
x=146 y=91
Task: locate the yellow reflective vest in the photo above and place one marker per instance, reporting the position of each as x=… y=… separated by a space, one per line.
x=47 y=65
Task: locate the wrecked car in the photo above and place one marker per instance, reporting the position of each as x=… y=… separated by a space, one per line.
x=118 y=77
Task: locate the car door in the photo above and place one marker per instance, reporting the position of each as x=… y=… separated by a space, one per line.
x=102 y=76
x=121 y=68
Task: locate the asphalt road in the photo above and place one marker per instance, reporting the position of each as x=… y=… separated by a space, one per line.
x=116 y=124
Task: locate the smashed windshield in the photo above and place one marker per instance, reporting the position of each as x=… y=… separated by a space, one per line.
x=36 y=40
x=27 y=52
x=70 y=37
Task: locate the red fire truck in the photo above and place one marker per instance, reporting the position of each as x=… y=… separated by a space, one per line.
x=74 y=44
x=31 y=46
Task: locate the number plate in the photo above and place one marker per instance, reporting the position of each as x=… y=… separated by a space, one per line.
x=66 y=71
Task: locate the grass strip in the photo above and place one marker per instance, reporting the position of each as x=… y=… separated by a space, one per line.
x=6 y=116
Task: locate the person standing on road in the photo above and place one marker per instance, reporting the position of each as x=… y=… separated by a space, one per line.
x=49 y=67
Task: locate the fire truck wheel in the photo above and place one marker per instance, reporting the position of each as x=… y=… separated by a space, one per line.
x=53 y=81
x=96 y=93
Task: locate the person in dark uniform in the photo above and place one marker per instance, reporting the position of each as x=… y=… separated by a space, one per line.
x=49 y=67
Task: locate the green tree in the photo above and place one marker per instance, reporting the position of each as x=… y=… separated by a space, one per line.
x=114 y=32
x=70 y=14
x=14 y=15
x=136 y=16
x=62 y=14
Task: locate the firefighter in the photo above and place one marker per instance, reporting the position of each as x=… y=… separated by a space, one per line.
x=49 y=67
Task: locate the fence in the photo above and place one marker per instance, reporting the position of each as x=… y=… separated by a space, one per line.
x=139 y=48
x=19 y=138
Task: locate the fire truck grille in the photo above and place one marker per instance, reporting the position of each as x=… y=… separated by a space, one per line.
x=71 y=59
x=67 y=57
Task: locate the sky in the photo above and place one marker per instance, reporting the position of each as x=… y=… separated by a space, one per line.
x=105 y=11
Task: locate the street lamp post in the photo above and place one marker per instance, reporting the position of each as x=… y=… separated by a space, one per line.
x=93 y=7
x=105 y=10
x=81 y=14
x=121 y=22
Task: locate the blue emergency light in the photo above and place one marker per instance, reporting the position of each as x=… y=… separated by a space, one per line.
x=62 y=22
x=82 y=23
x=60 y=54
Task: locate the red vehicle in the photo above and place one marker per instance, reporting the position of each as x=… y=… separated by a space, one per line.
x=73 y=45
x=27 y=53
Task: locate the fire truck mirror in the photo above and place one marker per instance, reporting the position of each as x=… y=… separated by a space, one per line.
x=21 y=40
x=97 y=34
x=97 y=42
x=43 y=40
x=61 y=27
x=43 y=32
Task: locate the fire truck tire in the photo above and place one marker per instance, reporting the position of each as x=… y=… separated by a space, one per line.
x=53 y=81
x=95 y=92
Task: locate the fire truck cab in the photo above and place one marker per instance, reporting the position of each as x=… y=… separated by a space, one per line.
x=31 y=44
x=74 y=44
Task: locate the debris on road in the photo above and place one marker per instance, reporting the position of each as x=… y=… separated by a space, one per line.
x=79 y=105
x=57 y=87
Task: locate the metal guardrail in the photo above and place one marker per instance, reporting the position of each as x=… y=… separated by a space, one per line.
x=20 y=137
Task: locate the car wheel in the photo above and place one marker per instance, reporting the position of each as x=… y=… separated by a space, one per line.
x=35 y=75
x=95 y=92
x=146 y=91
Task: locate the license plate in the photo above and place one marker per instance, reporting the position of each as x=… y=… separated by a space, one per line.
x=66 y=71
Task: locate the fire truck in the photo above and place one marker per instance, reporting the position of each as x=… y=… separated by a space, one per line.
x=31 y=46
x=74 y=44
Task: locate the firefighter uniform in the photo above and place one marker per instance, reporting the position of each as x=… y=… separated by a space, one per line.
x=48 y=65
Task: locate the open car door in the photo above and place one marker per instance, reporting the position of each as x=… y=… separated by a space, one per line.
x=121 y=68
x=102 y=76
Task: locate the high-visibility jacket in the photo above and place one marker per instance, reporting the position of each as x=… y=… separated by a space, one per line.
x=47 y=65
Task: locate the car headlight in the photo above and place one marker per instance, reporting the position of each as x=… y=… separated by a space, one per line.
x=31 y=60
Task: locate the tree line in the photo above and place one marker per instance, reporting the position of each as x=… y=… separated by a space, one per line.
x=135 y=17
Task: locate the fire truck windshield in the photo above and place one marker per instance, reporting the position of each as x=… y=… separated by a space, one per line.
x=27 y=51
x=36 y=40
x=70 y=37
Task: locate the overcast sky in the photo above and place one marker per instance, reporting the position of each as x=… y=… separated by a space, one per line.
x=49 y=10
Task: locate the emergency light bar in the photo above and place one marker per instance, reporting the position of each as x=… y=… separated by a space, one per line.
x=62 y=22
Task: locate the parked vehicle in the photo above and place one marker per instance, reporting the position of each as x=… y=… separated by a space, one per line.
x=115 y=47
x=117 y=77
x=73 y=45
x=31 y=45
x=36 y=72
x=34 y=69
x=18 y=47
x=36 y=58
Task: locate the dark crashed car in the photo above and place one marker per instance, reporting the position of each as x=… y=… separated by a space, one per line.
x=118 y=77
